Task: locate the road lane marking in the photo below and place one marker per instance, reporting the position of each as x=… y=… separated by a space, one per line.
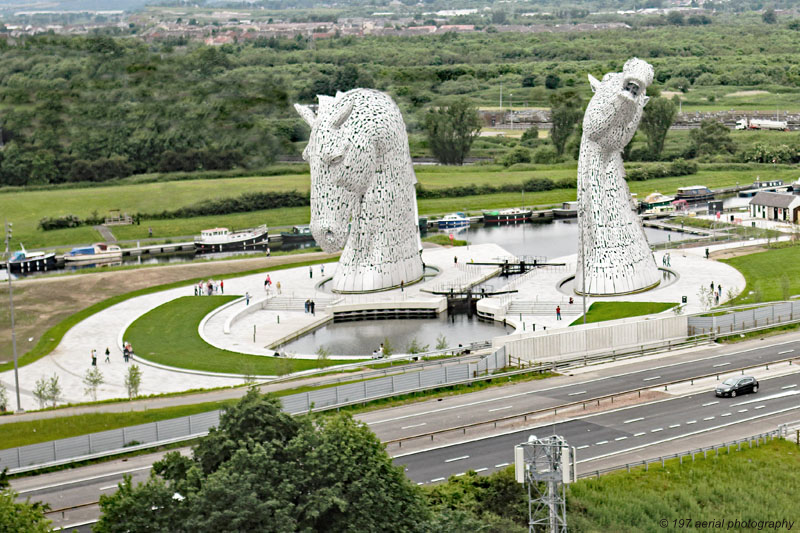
x=721 y=364
x=501 y=465
x=742 y=411
x=656 y=430
x=652 y=378
x=785 y=351
x=709 y=403
x=576 y=393
x=82 y=480
x=621 y=438
x=421 y=483
x=456 y=459
x=601 y=442
x=761 y=407
x=481 y=470
x=633 y=420
x=770 y=397
x=582 y=447
x=709 y=418
x=638 y=434
x=109 y=487
x=413 y=426
x=460 y=474
x=438 y=479
x=500 y=408
x=691 y=422
x=726 y=414
x=789 y=387
x=675 y=426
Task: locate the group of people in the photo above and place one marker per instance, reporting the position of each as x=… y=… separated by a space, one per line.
x=310 y=305
x=378 y=354
x=209 y=287
x=127 y=351
x=268 y=285
x=311 y=271
x=716 y=293
x=666 y=259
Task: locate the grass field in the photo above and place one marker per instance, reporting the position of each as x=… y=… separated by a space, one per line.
x=753 y=484
x=168 y=335
x=770 y=275
x=26 y=208
x=602 y=311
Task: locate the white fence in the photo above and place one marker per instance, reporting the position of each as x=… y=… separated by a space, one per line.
x=746 y=319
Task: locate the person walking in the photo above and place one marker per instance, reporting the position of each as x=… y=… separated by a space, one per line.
x=313 y=305
x=402 y=285
x=108 y=353
x=310 y=272
x=221 y=287
x=712 y=286
x=195 y=290
x=266 y=283
x=94 y=357
x=246 y=298
x=558 y=312
x=278 y=286
x=307 y=305
x=269 y=281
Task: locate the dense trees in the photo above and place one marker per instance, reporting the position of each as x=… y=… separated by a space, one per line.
x=264 y=470
x=566 y=112
x=451 y=129
x=658 y=116
x=20 y=516
x=711 y=138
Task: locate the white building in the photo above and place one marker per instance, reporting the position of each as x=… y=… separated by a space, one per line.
x=775 y=206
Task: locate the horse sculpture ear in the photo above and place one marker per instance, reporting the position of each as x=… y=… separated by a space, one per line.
x=594 y=83
x=342 y=115
x=645 y=100
x=306 y=113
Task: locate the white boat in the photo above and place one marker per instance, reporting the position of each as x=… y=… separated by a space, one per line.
x=99 y=252
x=453 y=220
x=223 y=240
x=567 y=210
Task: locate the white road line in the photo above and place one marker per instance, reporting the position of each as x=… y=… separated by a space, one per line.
x=742 y=411
x=633 y=420
x=413 y=426
x=601 y=442
x=656 y=430
x=576 y=393
x=638 y=434
x=481 y=470
x=789 y=386
x=721 y=364
x=501 y=465
x=675 y=426
x=421 y=483
x=82 y=480
x=709 y=418
x=652 y=378
x=500 y=408
x=726 y=414
x=438 y=479
x=785 y=351
x=761 y=407
x=108 y=487
x=621 y=438
x=709 y=403
x=456 y=459
x=691 y=422
x=582 y=447
x=460 y=474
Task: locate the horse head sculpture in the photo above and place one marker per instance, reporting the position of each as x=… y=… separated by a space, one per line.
x=362 y=190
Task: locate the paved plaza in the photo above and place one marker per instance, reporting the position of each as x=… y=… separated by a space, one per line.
x=231 y=326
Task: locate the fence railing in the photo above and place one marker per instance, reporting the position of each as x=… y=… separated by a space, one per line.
x=693 y=453
x=736 y=321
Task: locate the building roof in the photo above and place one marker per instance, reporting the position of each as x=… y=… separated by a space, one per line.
x=774 y=199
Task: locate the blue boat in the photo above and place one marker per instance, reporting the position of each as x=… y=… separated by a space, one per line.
x=25 y=262
x=454 y=220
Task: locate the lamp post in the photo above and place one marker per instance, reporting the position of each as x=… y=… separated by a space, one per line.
x=9 y=226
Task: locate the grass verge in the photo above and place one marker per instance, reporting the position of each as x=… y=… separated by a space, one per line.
x=52 y=337
x=601 y=311
x=770 y=275
x=168 y=335
x=444 y=240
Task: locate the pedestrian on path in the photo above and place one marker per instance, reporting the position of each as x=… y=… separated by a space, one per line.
x=312 y=305
x=278 y=286
x=221 y=286
x=269 y=281
x=558 y=312
x=307 y=305
x=108 y=353
x=322 y=270
x=195 y=290
x=94 y=357
x=310 y=272
x=712 y=286
x=719 y=289
x=402 y=285
x=246 y=298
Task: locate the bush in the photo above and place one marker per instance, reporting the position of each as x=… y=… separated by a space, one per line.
x=67 y=221
x=517 y=155
x=679 y=167
x=241 y=204
x=545 y=155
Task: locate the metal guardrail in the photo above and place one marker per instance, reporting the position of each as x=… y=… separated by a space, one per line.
x=597 y=399
x=777 y=433
x=770 y=315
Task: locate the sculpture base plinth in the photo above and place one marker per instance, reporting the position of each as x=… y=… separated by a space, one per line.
x=382 y=289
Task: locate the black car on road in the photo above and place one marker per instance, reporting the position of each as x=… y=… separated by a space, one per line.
x=735 y=386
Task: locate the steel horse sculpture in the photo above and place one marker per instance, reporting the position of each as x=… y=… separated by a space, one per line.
x=363 y=199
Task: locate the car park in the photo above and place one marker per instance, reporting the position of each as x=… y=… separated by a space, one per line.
x=735 y=386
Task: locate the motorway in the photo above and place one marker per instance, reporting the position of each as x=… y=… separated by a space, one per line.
x=679 y=422
x=613 y=432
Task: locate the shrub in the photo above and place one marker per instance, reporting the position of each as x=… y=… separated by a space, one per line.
x=545 y=155
x=517 y=155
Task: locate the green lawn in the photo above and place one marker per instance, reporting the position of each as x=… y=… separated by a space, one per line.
x=602 y=311
x=168 y=335
x=770 y=275
x=754 y=484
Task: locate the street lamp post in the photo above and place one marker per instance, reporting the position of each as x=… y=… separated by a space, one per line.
x=9 y=225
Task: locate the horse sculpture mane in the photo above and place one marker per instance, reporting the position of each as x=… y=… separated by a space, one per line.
x=617 y=257
x=363 y=199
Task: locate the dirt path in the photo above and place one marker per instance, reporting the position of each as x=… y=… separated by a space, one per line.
x=40 y=303
x=730 y=253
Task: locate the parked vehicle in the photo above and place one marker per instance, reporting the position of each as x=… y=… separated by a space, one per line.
x=735 y=386
x=761 y=124
x=223 y=240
